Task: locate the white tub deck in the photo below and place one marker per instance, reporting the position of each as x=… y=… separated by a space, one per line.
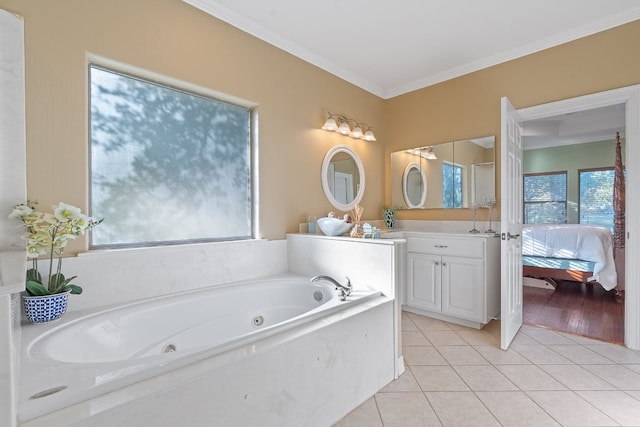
x=343 y=347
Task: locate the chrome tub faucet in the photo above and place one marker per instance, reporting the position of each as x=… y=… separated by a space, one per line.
x=343 y=290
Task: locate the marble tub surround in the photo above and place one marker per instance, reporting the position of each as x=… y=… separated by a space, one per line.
x=457 y=376
x=213 y=328
x=150 y=272
x=313 y=376
x=13 y=187
x=13 y=164
x=164 y=270
x=340 y=360
x=9 y=356
x=369 y=263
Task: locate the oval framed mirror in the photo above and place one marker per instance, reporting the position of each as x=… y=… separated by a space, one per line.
x=342 y=177
x=414 y=186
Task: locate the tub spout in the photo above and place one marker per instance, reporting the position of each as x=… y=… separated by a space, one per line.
x=343 y=290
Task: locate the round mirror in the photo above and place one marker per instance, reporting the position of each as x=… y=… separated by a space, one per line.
x=414 y=186
x=342 y=177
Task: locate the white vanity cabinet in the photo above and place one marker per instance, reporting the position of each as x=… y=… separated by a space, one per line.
x=453 y=277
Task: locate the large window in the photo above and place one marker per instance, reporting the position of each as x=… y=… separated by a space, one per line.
x=451 y=185
x=596 y=196
x=167 y=166
x=545 y=198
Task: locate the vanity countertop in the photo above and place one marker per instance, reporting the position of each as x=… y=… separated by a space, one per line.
x=383 y=240
x=411 y=233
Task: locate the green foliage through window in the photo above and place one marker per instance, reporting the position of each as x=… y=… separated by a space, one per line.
x=545 y=198
x=451 y=186
x=596 y=197
x=166 y=165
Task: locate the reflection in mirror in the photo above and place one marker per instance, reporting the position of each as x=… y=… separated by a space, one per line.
x=477 y=158
x=342 y=178
x=458 y=173
x=414 y=186
x=482 y=182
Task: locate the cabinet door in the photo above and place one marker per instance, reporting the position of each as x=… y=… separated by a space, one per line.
x=423 y=277
x=463 y=287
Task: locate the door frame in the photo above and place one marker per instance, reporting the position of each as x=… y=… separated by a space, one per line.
x=630 y=96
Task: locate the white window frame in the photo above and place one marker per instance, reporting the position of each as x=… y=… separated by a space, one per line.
x=198 y=91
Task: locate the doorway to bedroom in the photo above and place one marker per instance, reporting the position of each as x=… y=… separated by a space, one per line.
x=568 y=175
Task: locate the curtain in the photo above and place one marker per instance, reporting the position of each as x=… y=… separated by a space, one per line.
x=618 y=199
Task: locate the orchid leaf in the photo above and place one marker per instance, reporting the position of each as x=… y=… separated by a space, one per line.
x=61 y=283
x=36 y=288
x=33 y=274
x=75 y=289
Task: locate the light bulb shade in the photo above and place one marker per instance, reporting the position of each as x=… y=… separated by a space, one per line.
x=344 y=129
x=340 y=123
x=369 y=136
x=356 y=132
x=330 y=124
x=430 y=155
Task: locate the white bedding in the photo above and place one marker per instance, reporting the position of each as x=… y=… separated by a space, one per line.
x=574 y=241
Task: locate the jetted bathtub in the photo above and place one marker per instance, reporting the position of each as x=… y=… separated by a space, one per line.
x=89 y=354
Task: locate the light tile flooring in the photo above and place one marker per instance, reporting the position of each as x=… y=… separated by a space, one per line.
x=457 y=376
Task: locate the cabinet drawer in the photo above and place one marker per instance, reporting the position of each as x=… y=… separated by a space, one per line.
x=472 y=248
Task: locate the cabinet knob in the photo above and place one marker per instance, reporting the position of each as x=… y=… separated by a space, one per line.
x=437 y=263
x=444 y=264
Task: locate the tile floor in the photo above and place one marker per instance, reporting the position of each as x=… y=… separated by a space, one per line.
x=457 y=376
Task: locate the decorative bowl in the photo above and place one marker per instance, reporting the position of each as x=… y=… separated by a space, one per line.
x=333 y=226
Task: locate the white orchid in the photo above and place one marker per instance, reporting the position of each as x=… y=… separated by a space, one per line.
x=64 y=212
x=21 y=211
x=50 y=233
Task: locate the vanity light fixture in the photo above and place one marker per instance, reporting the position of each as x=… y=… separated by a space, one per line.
x=424 y=152
x=430 y=155
x=340 y=123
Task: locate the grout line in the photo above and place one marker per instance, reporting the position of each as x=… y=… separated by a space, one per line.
x=375 y=401
x=535 y=341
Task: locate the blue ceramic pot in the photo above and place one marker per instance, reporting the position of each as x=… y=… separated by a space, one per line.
x=43 y=309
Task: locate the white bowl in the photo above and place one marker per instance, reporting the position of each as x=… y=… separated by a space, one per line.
x=333 y=226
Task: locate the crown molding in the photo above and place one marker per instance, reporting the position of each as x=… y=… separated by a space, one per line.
x=213 y=8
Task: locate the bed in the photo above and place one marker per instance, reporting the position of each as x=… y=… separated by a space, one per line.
x=581 y=253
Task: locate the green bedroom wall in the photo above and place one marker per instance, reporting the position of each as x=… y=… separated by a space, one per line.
x=571 y=158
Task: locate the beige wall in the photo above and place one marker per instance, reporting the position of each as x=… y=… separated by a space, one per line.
x=292 y=97
x=173 y=39
x=469 y=106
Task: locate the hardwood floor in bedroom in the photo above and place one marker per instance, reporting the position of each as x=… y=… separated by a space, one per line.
x=577 y=308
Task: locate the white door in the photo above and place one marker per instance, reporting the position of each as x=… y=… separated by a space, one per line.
x=343 y=187
x=510 y=223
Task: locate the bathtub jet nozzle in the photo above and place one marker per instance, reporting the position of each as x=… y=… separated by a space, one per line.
x=343 y=290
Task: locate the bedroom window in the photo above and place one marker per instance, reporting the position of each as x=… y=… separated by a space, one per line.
x=167 y=166
x=545 y=198
x=451 y=185
x=596 y=196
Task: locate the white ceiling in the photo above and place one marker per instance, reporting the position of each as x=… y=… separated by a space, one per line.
x=391 y=48
x=598 y=124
